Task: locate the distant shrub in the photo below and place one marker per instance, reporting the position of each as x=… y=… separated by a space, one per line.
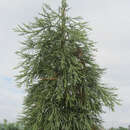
x=10 y=126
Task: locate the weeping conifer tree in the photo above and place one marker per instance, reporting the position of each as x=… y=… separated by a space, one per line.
x=62 y=79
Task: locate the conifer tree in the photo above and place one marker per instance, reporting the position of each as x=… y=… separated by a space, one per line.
x=59 y=72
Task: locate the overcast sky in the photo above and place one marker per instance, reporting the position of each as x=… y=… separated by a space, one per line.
x=110 y=21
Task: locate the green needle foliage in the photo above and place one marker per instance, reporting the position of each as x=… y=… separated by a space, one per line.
x=62 y=80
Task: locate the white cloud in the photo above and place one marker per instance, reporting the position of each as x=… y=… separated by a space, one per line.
x=110 y=22
x=11 y=99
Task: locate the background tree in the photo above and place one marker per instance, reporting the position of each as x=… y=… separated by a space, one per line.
x=10 y=126
x=62 y=79
x=119 y=128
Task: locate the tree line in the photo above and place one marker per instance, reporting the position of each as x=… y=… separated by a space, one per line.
x=11 y=126
x=18 y=126
x=120 y=128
